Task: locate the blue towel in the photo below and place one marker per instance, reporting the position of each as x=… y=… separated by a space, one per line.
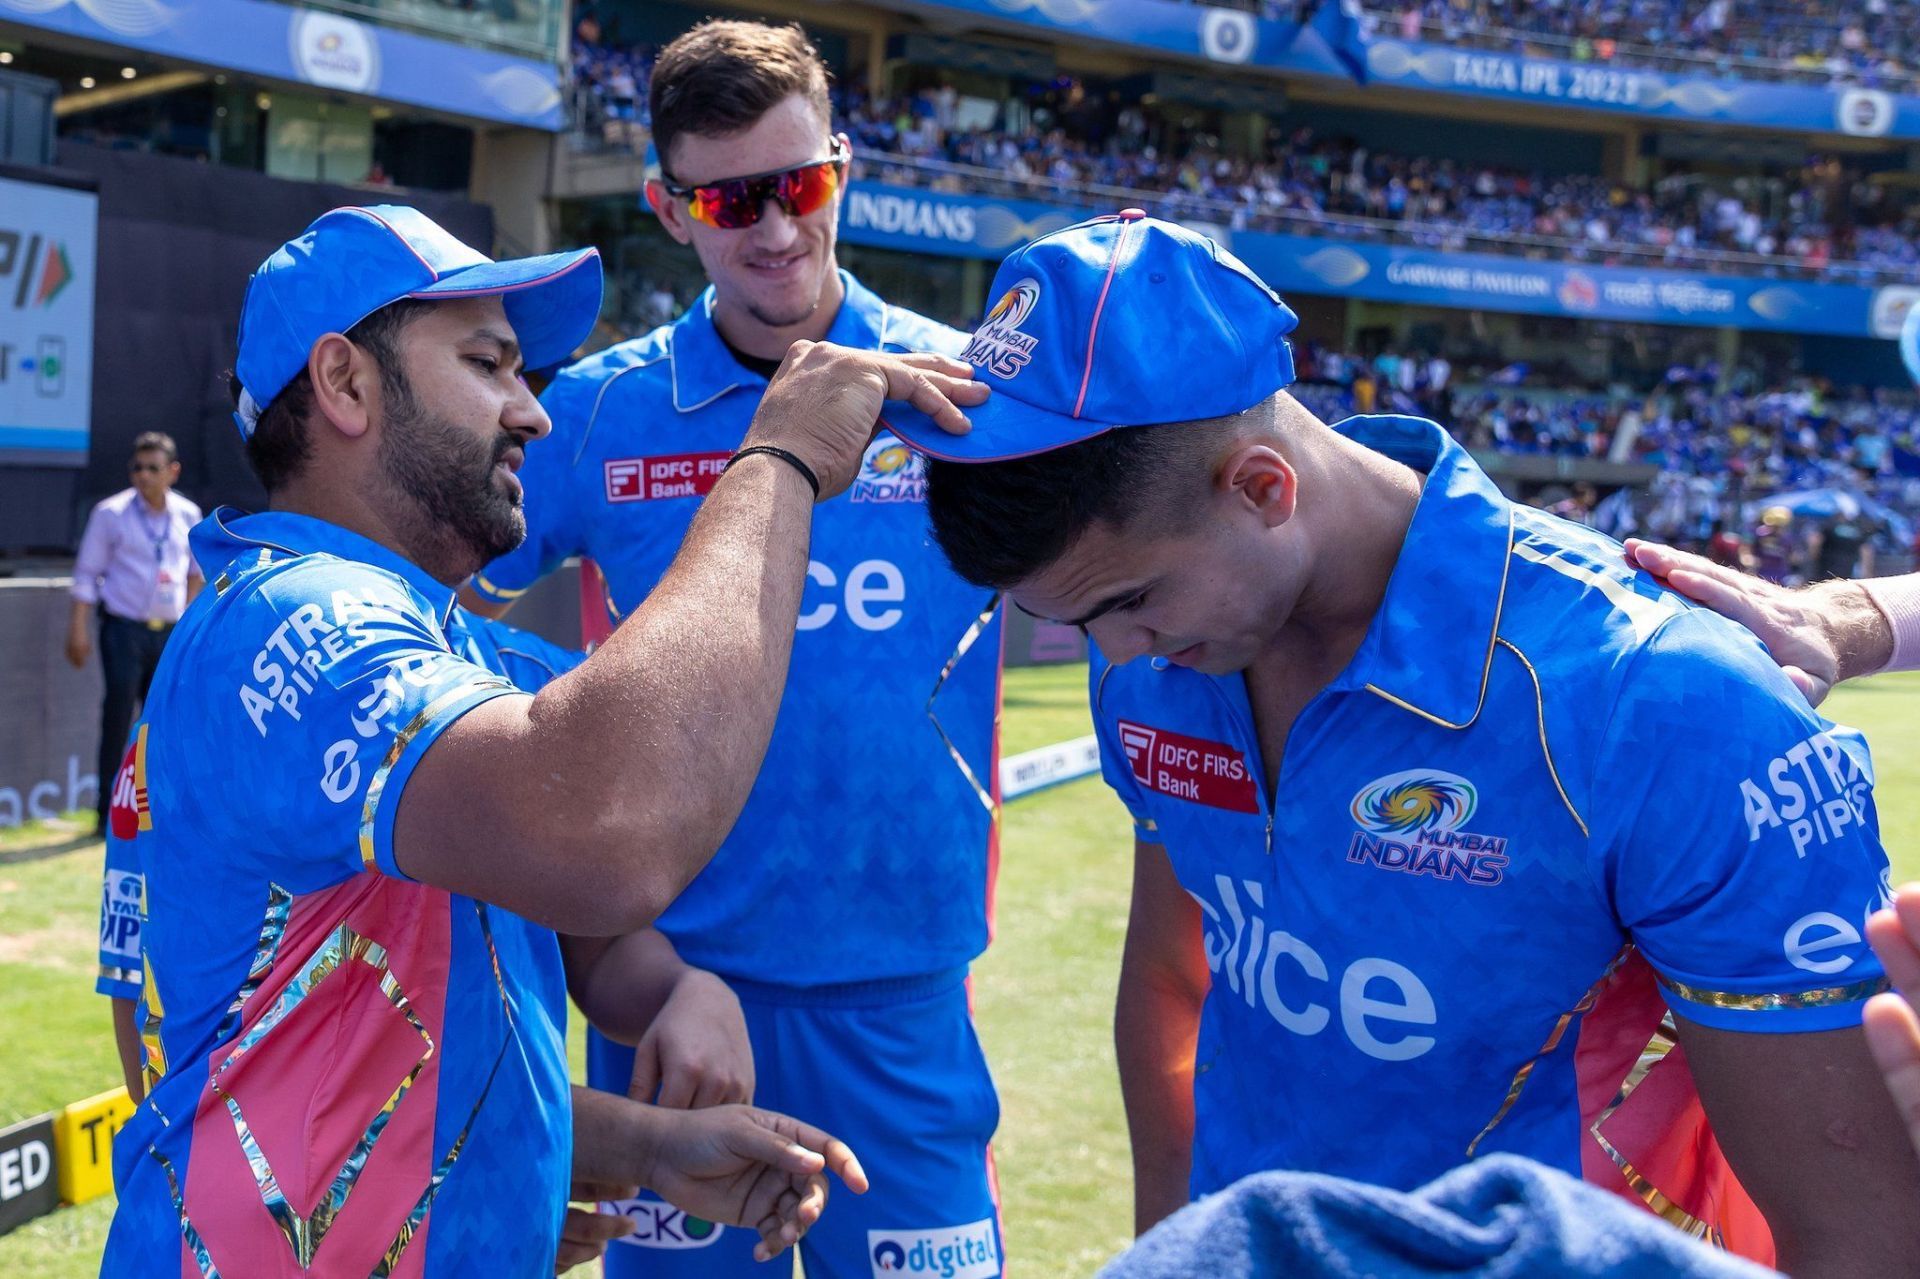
x=1496 y=1217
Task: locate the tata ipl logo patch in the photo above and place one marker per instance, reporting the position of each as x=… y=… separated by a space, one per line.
x=998 y=345
x=1412 y=822
x=890 y=472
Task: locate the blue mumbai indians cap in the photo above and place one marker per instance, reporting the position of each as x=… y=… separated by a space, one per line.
x=1122 y=320
x=352 y=261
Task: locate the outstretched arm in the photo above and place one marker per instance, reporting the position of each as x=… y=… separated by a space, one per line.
x=590 y=806
x=1820 y=634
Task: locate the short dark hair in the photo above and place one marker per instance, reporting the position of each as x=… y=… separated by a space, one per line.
x=279 y=447
x=723 y=75
x=156 y=442
x=1002 y=522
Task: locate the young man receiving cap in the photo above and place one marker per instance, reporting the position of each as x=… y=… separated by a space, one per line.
x=1441 y=810
x=356 y=1062
x=870 y=831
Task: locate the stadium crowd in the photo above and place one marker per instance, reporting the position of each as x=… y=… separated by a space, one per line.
x=1760 y=475
x=1821 y=219
x=1866 y=42
x=608 y=84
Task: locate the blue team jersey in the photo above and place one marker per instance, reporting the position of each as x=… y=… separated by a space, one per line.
x=1545 y=796
x=351 y=1072
x=874 y=810
x=529 y=661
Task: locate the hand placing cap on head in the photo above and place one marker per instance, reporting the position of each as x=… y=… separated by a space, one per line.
x=1119 y=321
x=352 y=261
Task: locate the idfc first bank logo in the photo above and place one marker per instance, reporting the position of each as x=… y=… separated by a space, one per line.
x=953 y=1252
x=1411 y=822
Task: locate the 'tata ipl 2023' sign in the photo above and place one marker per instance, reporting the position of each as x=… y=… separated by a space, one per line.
x=1237 y=38
x=47 y=253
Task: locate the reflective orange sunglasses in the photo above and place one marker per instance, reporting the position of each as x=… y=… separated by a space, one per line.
x=739 y=202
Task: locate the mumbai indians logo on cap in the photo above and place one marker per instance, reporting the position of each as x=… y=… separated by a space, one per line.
x=1417 y=800
x=998 y=346
x=890 y=472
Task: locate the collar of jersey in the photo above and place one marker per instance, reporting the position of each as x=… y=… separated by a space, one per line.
x=230 y=533
x=704 y=370
x=1430 y=646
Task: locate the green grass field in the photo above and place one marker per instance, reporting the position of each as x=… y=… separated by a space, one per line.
x=1044 y=993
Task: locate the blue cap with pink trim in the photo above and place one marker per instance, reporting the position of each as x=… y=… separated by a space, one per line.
x=1122 y=320
x=352 y=261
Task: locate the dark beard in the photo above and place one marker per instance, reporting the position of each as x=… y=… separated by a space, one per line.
x=445 y=476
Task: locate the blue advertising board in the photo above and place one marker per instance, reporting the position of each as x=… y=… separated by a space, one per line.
x=1235 y=38
x=922 y=221
x=309 y=46
x=1639 y=91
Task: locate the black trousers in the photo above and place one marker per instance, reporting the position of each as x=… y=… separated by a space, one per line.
x=129 y=652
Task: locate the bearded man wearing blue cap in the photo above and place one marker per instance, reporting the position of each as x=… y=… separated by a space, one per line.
x=1453 y=834
x=358 y=835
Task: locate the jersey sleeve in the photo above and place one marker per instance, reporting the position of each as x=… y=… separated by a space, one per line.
x=346 y=681
x=122 y=895
x=1737 y=836
x=554 y=526
x=1115 y=767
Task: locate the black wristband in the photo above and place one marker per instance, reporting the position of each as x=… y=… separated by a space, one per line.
x=806 y=472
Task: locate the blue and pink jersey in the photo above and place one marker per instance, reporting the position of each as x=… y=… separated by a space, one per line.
x=1547 y=807
x=351 y=1072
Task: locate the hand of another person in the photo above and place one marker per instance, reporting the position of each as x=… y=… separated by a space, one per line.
x=1893 y=1019
x=824 y=400
x=748 y=1167
x=695 y=1053
x=1819 y=634
x=79 y=648
x=585 y=1233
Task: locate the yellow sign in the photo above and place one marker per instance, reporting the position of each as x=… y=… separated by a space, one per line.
x=83 y=1144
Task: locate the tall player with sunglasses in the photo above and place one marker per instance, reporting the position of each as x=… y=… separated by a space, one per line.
x=853 y=892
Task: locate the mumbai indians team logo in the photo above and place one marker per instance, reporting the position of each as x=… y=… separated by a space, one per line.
x=1411 y=822
x=890 y=472
x=998 y=345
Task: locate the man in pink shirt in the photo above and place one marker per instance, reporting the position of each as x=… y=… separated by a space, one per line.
x=135 y=566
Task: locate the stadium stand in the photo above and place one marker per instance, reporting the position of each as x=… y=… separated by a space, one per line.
x=1718 y=444
x=1866 y=42
x=1823 y=219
